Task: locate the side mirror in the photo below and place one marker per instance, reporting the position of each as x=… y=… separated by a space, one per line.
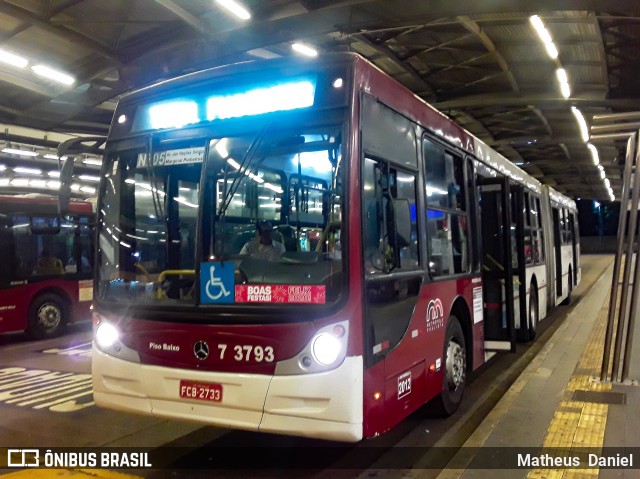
x=73 y=145
x=66 y=176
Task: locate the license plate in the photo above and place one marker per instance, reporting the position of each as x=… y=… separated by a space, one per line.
x=202 y=391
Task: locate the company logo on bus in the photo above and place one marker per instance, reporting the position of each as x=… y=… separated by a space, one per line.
x=435 y=315
x=201 y=350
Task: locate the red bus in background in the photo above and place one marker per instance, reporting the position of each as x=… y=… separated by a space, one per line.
x=407 y=251
x=46 y=272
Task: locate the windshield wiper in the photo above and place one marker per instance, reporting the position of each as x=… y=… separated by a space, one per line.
x=155 y=193
x=247 y=159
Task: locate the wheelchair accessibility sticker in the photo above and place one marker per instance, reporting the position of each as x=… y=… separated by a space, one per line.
x=217 y=283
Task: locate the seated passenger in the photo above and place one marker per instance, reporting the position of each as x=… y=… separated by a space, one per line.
x=48 y=264
x=263 y=246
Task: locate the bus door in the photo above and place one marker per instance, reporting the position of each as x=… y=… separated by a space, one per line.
x=497 y=266
x=518 y=258
x=575 y=247
x=557 y=247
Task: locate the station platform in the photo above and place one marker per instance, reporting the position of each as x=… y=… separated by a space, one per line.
x=559 y=407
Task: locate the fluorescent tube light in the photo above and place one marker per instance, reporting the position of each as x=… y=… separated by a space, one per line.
x=89 y=178
x=12 y=59
x=304 y=49
x=584 y=131
x=89 y=161
x=235 y=8
x=27 y=171
x=594 y=154
x=53 y=74
x=16 y=151
x=51 y=156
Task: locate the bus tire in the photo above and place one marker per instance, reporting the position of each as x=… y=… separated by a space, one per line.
x=455 y=370
x=567 y=300
x=48 y=316
x=534 y=314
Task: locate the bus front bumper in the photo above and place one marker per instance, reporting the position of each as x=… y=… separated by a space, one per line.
x=325 y=405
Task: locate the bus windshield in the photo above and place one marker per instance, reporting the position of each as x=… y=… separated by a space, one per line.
x=223 y=220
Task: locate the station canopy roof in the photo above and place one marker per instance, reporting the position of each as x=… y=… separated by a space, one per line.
x=490 y=65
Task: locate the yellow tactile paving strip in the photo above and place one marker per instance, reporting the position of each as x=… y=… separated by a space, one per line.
x=578 y=424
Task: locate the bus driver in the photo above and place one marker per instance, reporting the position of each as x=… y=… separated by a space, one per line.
x=263 y=246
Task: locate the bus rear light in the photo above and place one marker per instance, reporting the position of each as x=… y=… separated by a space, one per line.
x=377 y=395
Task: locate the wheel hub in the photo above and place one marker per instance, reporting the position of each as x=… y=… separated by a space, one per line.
x=49 y=315
x=455 y=365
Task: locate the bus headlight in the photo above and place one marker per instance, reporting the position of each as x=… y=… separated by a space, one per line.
x=106 y=335
x=325 y=348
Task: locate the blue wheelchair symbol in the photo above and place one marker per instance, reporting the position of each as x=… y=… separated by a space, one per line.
x=217 y=283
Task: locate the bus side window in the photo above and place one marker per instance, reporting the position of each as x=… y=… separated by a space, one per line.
x=382 y=184
x=447 y=216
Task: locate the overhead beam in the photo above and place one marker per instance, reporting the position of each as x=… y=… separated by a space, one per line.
x=59 y=31
x=474 y=28
x=184 y=15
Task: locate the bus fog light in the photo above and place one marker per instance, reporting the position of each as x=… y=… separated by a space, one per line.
x=106 y=335
x=325 y=348
x=306 y=361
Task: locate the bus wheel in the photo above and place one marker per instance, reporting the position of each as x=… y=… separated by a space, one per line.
x=455 y=372
x=48 y=316
x=534 y=314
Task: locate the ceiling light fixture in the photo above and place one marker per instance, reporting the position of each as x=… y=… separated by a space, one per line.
x=16 y=151
x=89 y=178
x=561 y=75
x=594 y=154
x=53 y=74
x=304 y=50
x=584 y=131
x=27 y=171
x=89 y=161
x=51 y=156
x=235 y=8
x=544 y=35
x=12 y=59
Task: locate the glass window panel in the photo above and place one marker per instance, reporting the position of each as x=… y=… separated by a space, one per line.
x=448 y=243
x=445 y=177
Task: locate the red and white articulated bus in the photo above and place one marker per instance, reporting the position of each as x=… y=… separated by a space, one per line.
x=46 y=273
x=396 y=251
